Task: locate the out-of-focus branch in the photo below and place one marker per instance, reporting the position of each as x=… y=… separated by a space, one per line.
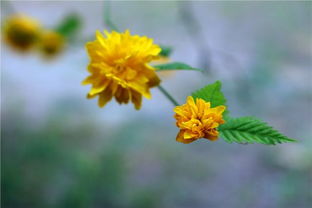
x=107 y=15
x=195 y=32
x=197 y=36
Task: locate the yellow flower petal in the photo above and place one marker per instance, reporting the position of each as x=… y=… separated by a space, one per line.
x=136 y=99
x=99 y=87
x=105 y=96
x=180 y=138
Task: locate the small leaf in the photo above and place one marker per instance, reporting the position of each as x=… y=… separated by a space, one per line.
x=251 y=130
x=174 y=66
x=211 y=93
x=165 y=51
x=69 y=25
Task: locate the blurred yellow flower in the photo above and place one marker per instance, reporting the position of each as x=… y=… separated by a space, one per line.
x=21 y=32
x=119 y=67
x=196 y=119
x=51 y=43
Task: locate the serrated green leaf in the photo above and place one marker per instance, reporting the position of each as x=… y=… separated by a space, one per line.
x=165 y=51
x=69 y=26
x=174 y=66
x=211 y=93
x=251 y=130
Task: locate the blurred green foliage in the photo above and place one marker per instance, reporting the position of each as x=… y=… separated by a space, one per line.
x=46 y=168
x=66 y=163
x=165 y=51
x=70 y=26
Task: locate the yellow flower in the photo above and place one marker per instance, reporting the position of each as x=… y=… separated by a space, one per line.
x=196 y=119
x=119 y=67
x=51 y=43
x=21 y=32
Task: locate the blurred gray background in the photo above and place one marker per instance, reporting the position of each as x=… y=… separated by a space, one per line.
x=61 y=150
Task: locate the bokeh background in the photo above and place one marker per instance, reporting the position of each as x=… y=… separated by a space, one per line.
x=60 y=150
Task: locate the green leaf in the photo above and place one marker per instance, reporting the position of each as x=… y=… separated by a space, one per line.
x=211 y=93
x=174 y=66
x=69 y=26
x=165 y=51
x=251 y=130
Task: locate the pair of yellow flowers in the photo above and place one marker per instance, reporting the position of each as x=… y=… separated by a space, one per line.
x=24 y=34
x=119 y=67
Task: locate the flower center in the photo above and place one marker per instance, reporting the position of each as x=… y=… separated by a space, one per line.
x=120 y=64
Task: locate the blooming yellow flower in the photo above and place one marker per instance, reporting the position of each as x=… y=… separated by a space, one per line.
x=21 y=32
x=51 y=43
x=196 y=119
x=119 y=67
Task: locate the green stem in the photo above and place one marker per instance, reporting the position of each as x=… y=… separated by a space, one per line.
x=107 y=19
x=174 y=102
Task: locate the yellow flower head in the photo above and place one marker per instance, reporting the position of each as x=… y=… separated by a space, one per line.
x=119 y=67
x=196 y=119
x=21 y=32
x=51 y=43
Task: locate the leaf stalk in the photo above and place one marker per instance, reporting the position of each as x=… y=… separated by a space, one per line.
x=165 y=92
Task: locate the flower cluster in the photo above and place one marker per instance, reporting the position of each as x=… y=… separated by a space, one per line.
x=196 y=119
x=119 y=67
x=24 y=33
